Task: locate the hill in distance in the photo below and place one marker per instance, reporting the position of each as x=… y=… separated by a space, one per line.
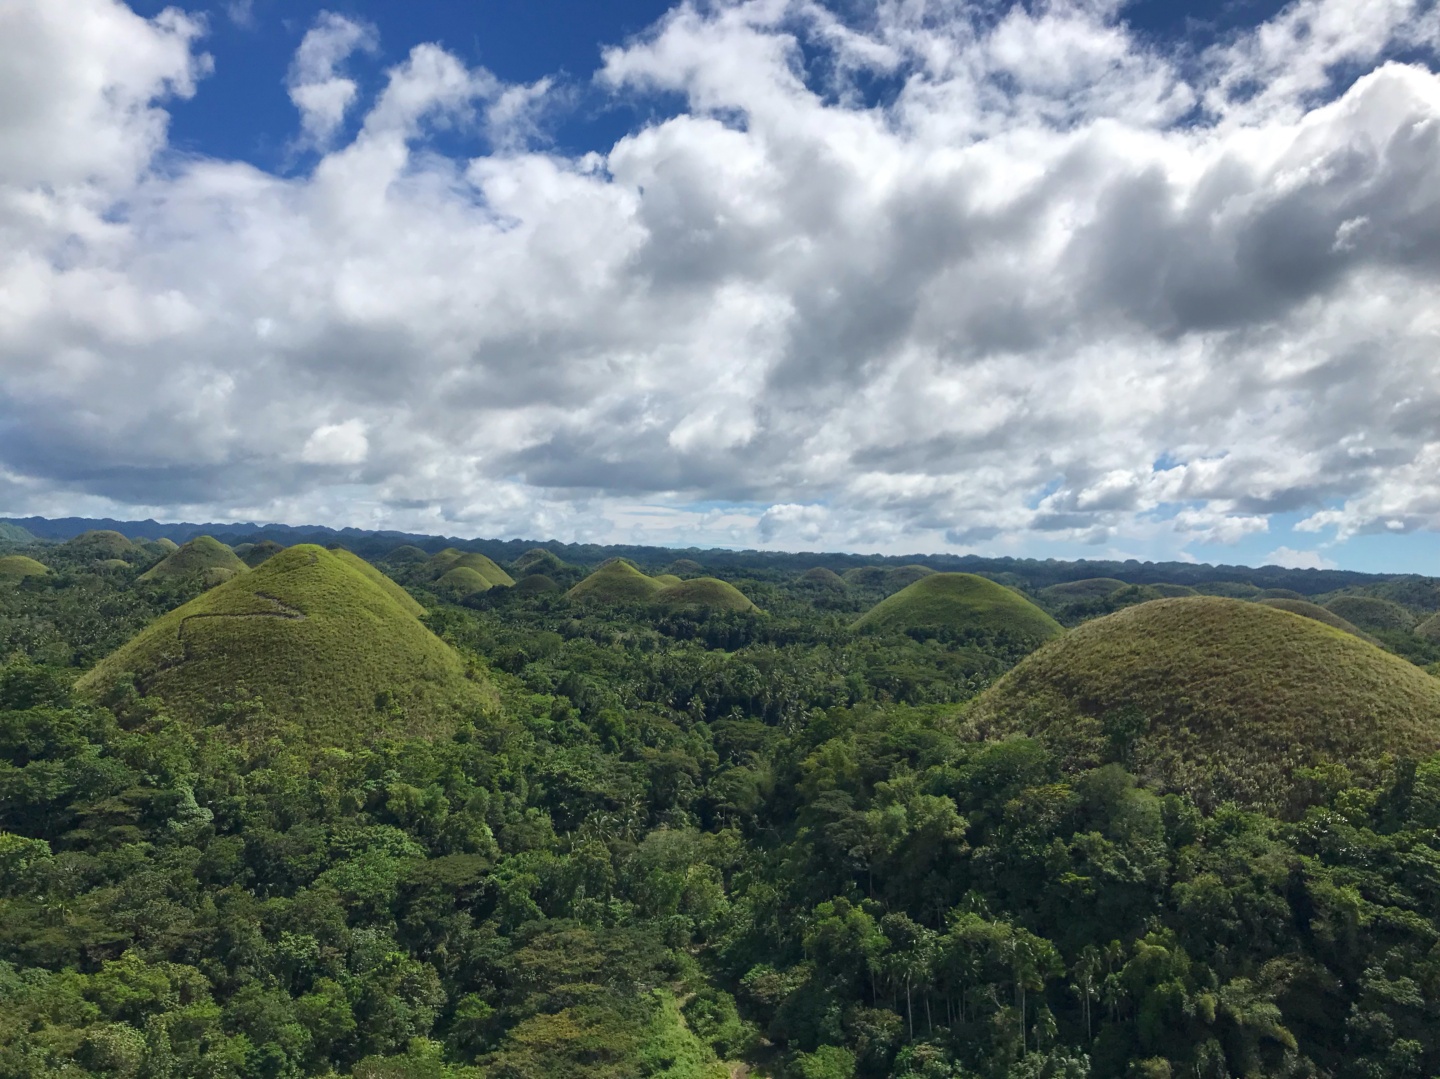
x=823 y=579
x=203 y=557
x=260 y=553
x=17 y=566
x=707 y=593
x=1371 y=613
x=452 y=559
x=666 y=579
x=333 y=648
x=1306 y=609
x=616 y=581
x=958 y=602
x=101 y=543
x=16 y=536
x=462 y=581
x=1174 y=591
x=537 y=560
x=1089 y=588
x=1215 y=697
x=407 y=554
x=532 y=584
x=685 y=567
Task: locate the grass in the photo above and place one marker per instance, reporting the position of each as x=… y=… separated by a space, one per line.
x=17 y=535
x=960 y=602
x=1371 y=613
x=260 y=553
x=1229 y=589
x=706 y=593
x=1429 y=629
x=100 y=543
x=312 y=641
x=902 y=576
x=463 y=581
x=1283 y=593
x=820 y=577
x=533 y=584
x=1306 y=609
x=14 y=567
x=865 y=577
x=666 y=579
x=1089 y=588
x=407 y=554
x=1174 y=591
x=685 y=567
x=451 y=559
x=537 y=560
x=1221 y=699
x=617 y=581
x=203 y=557
x=167 y=543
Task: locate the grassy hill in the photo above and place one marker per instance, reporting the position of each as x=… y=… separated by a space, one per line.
x=406 y=554
x=14 y=567
x=685 y=567
x=1215 y=697
x=1174 y=591
x=462 y=581
x=825 y=579
x=99 y=544
x=203 y=557
x=1306 y=609
x=958 y=602
x=451 y=559
x=16 y=536
x=1371 y=613
x=537 y=560
x=332 y=648
x=1282 y=593
x=532 y=584
x=666 y=579
x=1089 y=588
x=706 y=593
x=260 y=553
x=616 y=581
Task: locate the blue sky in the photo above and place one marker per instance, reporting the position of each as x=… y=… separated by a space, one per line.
x=1077 y=278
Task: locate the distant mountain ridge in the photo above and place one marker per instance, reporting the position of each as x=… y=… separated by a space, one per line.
x=1033 y=572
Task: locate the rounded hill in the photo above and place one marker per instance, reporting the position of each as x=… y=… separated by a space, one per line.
x=1089 y=588
x=15 y=566
x=462 y=581
x=260 y=553
x=317 y=640
x=100 y=543
x=532 y=584
x=1174 y=591
x=959 y=602
x=822 y=578
x=407 y=554
x=1306 y=609
x=685 y=567
x=1371 y=613
x=538 y=560
x=204 y=557
x=452 y=559
x=617 y=581
x=1215 y=697
x=707 y=593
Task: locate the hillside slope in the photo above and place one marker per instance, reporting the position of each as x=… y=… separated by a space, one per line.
x=958 y=602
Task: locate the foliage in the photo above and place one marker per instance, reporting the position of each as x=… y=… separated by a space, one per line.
x=957 y=602
x=203 y=557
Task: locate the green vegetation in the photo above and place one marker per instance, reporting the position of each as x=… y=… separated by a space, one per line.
x=462 y=581
x=657 y=842
x=259 y=553
x=616 y=582
x=99 y=544
x=1216 y=698
x=407 y=555
x=16 y=536
x=685 y=567
x=665 y=579
x=870 y=577
x=16 y=566
x=1306 y=609
x=820 y=577
x=1282 y=593
x=703 y=592
x=203 y=557
x=902 y=576
x=1429 y=629
x=1174 y=591
x=1230 y=589
x=450 y=559
x=537 y=560
x=1371 y=613
x=309 y=643
x=957 y=603
x=1089 y=588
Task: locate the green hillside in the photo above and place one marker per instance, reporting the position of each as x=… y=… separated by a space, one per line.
x=462 y=581
x=1214 y=697
x=1429 y=629
x=260 y=553
x=616 y=581
x=16 y=536
x=666 y=579
x=101 y=543
x=532 y=584
x=1371 y=613
x=314 y=636
x=452 y=559
x=958 y=602
x=1229 y=589
x=537 y=560
x=685 y=567
x=1282 y=593
x=1089 y=588
x=203 y=557
x=1306 y=609
x=407 y=554
x=706 y=593
x=865 y=577
x=14 y=567
x=1174 y=591
x=822 y=578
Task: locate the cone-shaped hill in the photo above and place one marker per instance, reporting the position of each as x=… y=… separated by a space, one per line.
x=707 y=593
x=958 y=602
x=823 y=579
x=451 y=559
x=462 y=581
x=406 y=554
x=616 y=581
x=203 y=557
x=1306 y=609
x=532 y=584
x=1215 y=697
x=331 y=646
x=666 y=579
x=14 y=567
x=100 y=543
x=1089 y=588
x=537 y=560
x=260 y=553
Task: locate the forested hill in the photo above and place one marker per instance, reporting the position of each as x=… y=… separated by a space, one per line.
x=273 y=811
x=1033 y=573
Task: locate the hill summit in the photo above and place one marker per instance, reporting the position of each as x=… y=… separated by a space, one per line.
x=317 y=639
x=957 y=602
x=1216 y=697
x=203 y=557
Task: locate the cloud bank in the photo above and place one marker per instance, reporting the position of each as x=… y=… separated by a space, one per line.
x=950 y=277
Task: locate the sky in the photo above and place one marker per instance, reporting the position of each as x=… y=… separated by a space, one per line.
x=1076 y=278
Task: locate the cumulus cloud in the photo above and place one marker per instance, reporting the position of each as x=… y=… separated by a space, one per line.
x=1064 y=285
x=1293 y=559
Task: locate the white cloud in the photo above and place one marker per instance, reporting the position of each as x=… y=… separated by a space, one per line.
x=1293 y=559
x=1064 y=288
